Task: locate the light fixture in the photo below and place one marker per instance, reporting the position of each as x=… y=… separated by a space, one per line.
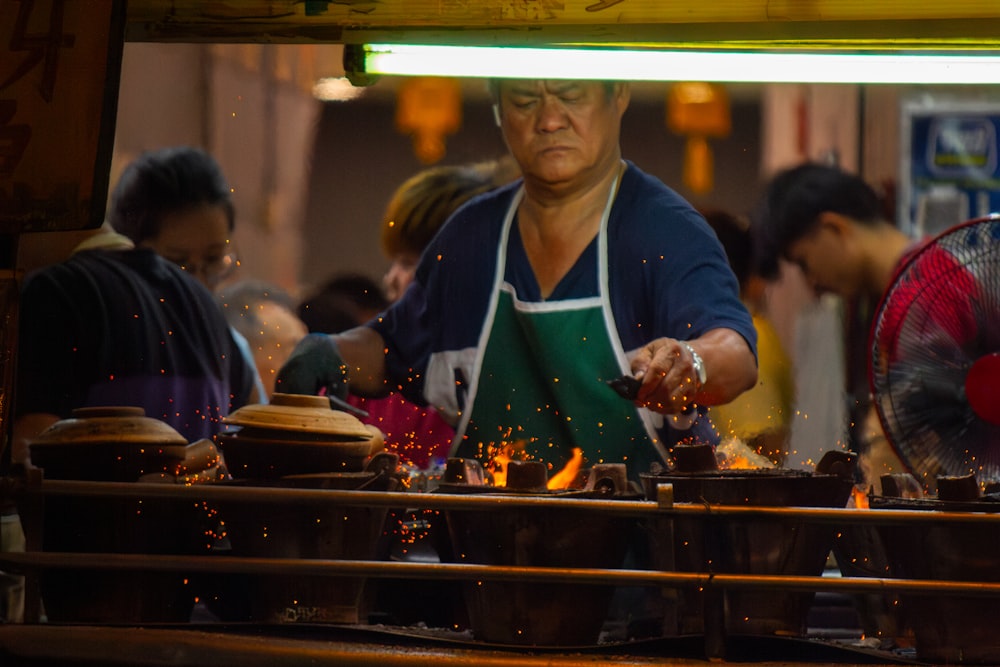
x=335 y=89
x=652 y=64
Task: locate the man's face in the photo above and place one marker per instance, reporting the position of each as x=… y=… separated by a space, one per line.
x=827 y=259
x=562 y=132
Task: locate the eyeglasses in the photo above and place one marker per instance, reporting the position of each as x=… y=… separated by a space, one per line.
x=214 y=270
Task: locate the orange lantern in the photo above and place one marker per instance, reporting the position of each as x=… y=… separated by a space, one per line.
x=698 y=111
x=429 y=108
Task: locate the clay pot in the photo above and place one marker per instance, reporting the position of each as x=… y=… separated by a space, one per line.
x=319 y=530
x=295 y=435
x=121 y=444
x=740 y=546
x=948 y=628
x=540 y=613
x=111 y=444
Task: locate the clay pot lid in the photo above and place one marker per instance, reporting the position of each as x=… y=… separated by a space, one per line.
x=112 y=424
x=299 y=413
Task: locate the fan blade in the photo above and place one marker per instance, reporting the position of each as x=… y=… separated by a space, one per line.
x=938 y=400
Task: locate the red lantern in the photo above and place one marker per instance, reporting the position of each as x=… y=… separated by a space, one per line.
x=698 y=111
x=429 y=108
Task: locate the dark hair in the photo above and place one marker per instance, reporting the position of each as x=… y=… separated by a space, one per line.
x=359 y=289
x=425 y=201
x=341 y=303
x=794 y=200
x=165 y=181
x=734 y=235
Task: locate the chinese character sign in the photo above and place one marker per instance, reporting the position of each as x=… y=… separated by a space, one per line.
x=59 y=70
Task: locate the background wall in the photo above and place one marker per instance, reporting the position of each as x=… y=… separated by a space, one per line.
x=310 y=179
x=360 y=158
x=251 y=106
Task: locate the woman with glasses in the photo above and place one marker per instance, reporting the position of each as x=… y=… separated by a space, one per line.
x=137 y=326
x=177 y=202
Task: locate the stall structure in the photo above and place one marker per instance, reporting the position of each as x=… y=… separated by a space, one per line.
x=59 y=79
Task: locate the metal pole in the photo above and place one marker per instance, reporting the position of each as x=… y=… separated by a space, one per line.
x=478 y=572
x=500 y=502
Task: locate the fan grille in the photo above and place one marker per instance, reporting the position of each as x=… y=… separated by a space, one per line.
x=940 y=315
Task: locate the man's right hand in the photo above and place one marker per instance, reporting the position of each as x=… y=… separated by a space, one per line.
x=314 y=367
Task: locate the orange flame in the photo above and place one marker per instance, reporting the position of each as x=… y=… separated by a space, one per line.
x=739 y=463
x=736 y=454
x=566 y=476
x=507 y=452
x=498 y=466
x=860 y=497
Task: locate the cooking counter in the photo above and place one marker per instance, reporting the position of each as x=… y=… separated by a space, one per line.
x=251 y=643
x=206 y=646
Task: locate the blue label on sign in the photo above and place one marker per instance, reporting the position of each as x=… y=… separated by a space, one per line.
x=953 y=169
x=962 y=146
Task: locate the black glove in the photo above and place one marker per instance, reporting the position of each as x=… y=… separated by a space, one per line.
x=315 y=365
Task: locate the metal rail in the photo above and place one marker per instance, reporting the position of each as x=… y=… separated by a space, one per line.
x=33 y=561
x=36 y=560
x=499 y=502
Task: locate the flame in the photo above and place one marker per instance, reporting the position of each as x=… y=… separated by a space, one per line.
x=498 y=466
x=509 y=451
x=566 y=476
x=734 y=454
x=859 y=496
x=739 y=463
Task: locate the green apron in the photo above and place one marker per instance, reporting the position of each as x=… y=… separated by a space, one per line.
x=540 y=379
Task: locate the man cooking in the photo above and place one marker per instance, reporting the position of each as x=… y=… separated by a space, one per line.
x=536 y=295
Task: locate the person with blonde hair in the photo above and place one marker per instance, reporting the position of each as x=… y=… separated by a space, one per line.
x=415 y=213
x=421 y=204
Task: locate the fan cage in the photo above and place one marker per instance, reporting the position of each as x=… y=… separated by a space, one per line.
x=940 y=315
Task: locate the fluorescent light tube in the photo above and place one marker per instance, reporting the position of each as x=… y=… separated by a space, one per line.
x=679 y=65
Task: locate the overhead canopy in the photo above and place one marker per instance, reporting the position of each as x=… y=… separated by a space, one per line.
x=914 y=24
x=59 y=110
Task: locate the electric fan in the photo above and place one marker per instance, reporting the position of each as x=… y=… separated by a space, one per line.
x=935 y=364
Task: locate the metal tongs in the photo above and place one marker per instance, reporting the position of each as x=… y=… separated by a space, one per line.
x=337 y=403
x=626 y=386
